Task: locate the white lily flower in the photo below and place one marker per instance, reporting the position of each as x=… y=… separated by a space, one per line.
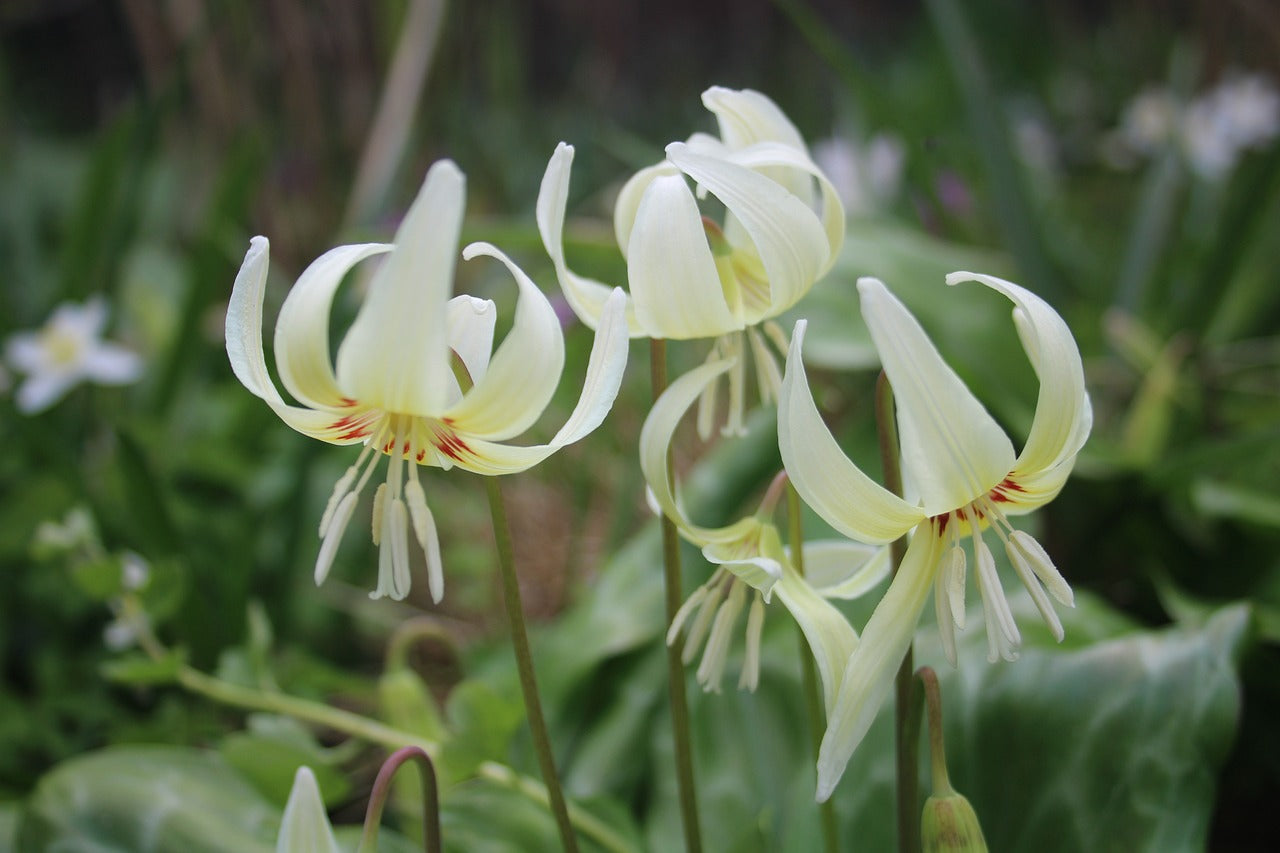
x=305 y=827
x=394 y=390
x=963 y=466
x=691 y=277
x=67 y=351
x=753 y=562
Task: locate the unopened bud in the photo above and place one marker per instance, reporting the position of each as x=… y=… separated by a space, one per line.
x=950 y=825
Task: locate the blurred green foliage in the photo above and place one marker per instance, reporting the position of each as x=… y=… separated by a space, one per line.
x=141 y=145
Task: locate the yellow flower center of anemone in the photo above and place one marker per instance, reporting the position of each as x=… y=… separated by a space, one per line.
x=63 y=347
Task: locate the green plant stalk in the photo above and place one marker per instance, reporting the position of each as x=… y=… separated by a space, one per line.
x=809 y=674
x=906 y=719
x=524 y=666
x=675 y=650
x=382 y=790
x=355 y=725
x=937 y=748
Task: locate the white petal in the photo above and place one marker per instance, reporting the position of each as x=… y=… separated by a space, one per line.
x=953 y=451
x=302 y=330
x=41 y=390
x=110 y=364
x=786 y=234
x=244 y=350
x=838 y=491
x=837 y=568
x=674 y=281
x=604 y=376
x=395 y=356
x=471 y=322
x=760 y=573
x=305 y=827
x=525 y=370
x=746 y=117
x=831 y=638
x=628 y=202
x=1063 y=414
x=585 y=296
x=25 y=352
x=870 y=670
x=655 y=438
x=773 y=158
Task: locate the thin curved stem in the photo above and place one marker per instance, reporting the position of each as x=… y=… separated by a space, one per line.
x=675 y=650
x=937 y=748
x=809 y=674
x=382 y=790
x=906 y=716
x=524 y=666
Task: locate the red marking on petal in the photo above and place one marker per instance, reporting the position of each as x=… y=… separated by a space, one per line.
x=422 y=454
x=450 y=445
x=1000 y=492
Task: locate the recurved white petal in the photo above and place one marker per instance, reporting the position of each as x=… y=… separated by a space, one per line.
x=585 y=296
x=244 y=350
x=471 y=322
x=788 y=236
x=605 y=368
x=953 y=451
x=672 y=274
x=1063 y=414
x=746 y=117
x=395 y=356
x=846 y=498
x=758 y=571
x=302 y=330
x=628 y=202
x=869 y=673
x=775 y=157
x=655 y=438
x=838 y=568
x=525 y=370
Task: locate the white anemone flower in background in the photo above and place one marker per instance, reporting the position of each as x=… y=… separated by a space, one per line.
x=968 y=478
x=68 y=350
x=752 y=564
x=394 y=388
x=691 y=276
x=305 y=827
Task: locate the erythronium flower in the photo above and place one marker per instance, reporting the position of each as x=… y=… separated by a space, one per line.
x=67 y=351
x=753 y=563
x=394 y=390
x=305 y=827
x=692 y=277
x=963 y=466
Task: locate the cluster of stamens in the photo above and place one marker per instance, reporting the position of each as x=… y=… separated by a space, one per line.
x=1030 y=561
x=398 y=503
x=718 y=603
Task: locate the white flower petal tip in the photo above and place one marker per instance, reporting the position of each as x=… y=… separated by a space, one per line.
x=305 y=827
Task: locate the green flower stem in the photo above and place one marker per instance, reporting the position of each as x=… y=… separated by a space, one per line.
x=382 y=790
x=354 y=725
x=809 y=674
x=524 y=665
x=409 y=632
x=906 y=718
x=937 y=749
x=675 y=650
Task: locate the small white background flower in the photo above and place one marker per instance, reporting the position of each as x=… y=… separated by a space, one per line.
x=67 y=351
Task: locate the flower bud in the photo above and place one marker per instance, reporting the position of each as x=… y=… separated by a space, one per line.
x=950 y=825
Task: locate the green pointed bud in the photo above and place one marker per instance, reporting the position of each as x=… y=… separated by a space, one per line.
x=950 y=825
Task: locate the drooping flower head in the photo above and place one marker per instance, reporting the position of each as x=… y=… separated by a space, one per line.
x=691 y=276
x=417 y=378
x=67 y=351
x=969 y=481
x=753 y=565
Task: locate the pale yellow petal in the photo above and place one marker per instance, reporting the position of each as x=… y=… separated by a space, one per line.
x=585 y=296
x=847 y=499
x=953 y=451
x=395 y=356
